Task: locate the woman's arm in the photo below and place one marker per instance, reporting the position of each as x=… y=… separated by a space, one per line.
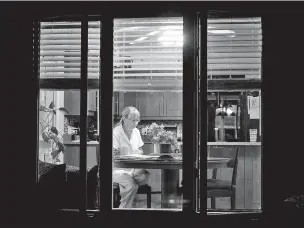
x=115 y=152
x=140 y=150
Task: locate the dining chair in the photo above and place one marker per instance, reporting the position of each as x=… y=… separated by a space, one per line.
x=223 y=188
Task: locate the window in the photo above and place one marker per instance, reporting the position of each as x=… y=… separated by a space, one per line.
x=234 y=51
x=156 y=150
x=148 y=89
x=69 y=61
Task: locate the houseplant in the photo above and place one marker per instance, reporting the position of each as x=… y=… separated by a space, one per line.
x=49 y=133
x=163 y=141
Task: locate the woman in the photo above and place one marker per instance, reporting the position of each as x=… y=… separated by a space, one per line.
x=127 y=140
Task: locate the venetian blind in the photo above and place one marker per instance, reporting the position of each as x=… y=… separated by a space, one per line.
x=148 y=54
x=234 y=48
x=60 y=49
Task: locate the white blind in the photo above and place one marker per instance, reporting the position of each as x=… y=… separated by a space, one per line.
x=234 y=48
x=60 y=49
x=148 y=54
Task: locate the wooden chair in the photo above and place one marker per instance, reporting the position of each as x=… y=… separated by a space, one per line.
x=223 y=188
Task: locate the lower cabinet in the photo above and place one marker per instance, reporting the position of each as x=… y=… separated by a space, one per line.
x=72 y=153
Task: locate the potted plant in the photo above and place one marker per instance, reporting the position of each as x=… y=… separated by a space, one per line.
x=163 y=141
x=49 y=133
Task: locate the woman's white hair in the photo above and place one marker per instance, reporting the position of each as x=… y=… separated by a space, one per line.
x=126 y=112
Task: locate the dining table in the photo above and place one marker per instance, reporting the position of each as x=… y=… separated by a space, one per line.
x=169 y=166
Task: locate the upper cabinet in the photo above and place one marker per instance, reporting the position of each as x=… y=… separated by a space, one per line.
x=92 y=100
x=173 y=104
x=72 y=102
x=150 y=104
x=156 y=105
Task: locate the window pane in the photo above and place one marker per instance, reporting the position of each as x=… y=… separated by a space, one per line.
x=60 y=49
x=60 y=55
x=93 y=115
x=58 y=147
x=148 y=66
x=94 y=49
x=92 y=149
x=234 y=49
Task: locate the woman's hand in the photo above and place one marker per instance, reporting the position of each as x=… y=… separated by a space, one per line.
x=116 y=152
x=139 y=151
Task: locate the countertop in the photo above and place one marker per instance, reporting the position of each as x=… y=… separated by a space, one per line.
x=77 y=142
x=234 y=143
x=95 y=143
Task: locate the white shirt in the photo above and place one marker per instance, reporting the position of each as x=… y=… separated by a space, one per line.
x=121 y=140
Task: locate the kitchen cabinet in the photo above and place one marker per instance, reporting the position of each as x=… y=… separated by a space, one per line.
x=129 y=100
x=150 y=104
x=164 y=105
x=173 y=104
x=122 y=100
x=92 y=100
x=72 y=102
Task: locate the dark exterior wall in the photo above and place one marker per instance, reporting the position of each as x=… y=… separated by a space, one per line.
x=282 y=99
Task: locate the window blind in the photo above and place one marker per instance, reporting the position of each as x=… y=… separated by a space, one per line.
x=234 y=48
x=148 y=54
x=60 y=49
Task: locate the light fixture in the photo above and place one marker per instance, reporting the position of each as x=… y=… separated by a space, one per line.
x=145 y=37
x=222 y=31
x=141 y=38
x=172 y=37
x=177 y=27
x=152 y=33
x=128 y=29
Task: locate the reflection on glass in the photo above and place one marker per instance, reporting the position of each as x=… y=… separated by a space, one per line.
x=147 y=113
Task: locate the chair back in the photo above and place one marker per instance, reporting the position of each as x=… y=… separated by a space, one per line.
x=226 y=152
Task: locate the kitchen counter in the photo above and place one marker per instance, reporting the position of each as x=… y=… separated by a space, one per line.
x=95 y=143
x=71 y=155
x=234 y=143
x=77 y=142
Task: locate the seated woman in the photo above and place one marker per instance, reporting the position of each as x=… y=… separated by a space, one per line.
x=127 y=140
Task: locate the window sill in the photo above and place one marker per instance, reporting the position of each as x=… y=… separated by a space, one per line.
x=220 y=217
x=234 y=143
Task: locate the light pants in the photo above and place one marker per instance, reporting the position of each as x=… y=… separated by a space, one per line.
x=128 y=188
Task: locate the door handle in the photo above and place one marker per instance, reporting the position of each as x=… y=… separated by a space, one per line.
x=159 y=108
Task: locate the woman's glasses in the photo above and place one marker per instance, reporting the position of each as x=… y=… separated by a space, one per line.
x=134 y=121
